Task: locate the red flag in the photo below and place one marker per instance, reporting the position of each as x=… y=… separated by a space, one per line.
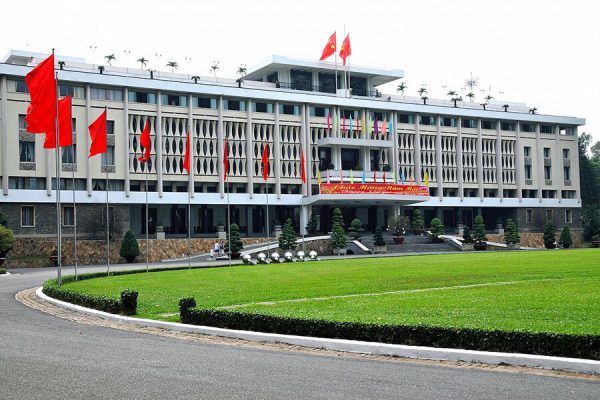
x=330 y=47
x=98 y=135
x=345 y=50
x=65 y=129
x=328 y=120
x=265 y=161
x=302 y=166
x=344 y=124
x=186 y=157
x=225 y=160
x=145 y=142
x=41 y=83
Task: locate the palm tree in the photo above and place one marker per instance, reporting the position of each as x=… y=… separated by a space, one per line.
x=533 y=110
x=214 y=68
x=61 y=64
x=242 y=70
x=488 y=98
x=195 y=78
x=401 y=87
x=173 y=65
x=506 y=107
x=101 y=69
x=471 y=96
x=110 y=58
x=422 y=91
x=451 y=93
x=424 y=98
x=483 y=105
x=143 y=62
x=455 y=99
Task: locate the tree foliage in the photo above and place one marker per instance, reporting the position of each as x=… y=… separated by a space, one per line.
x=566 y=240
x=311 y=225
x=356 y=228
x=338 y=218
x=287 y=239
x=338 y=237
x=467 y=237
x=479 y=230
x=417 y=224
x=234 y=237
x=129 y=246
x=437 y=228
x=399 y=224
x=549 y=234
x=511 y=233
x=378 y=237
x=589 y=171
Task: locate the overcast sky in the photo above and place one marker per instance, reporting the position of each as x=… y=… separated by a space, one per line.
x=543 y=53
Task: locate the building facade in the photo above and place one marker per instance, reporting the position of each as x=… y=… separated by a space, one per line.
x=499 y=160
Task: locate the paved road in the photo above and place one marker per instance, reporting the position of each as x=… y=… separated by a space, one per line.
x=42 y=356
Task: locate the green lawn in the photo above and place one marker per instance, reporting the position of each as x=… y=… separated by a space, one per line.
x=541 y=291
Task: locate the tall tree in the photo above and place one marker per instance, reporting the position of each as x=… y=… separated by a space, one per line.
x=589 y=172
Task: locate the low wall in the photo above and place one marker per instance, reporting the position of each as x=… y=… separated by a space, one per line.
x=536 y=239
x=28 y=252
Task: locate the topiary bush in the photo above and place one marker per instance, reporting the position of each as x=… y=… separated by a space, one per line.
x=236 y=241
x=549 y=235
x=467 y=237
x=129 y=247
x=479 y=230
x=311 y=226
x=7 y=239
x=2 y=271
x=511 y=233
x=399 y=224
x=337 y=218
x=378 y=237
x=356 y=228
x=437 y=228
x=129 y=301
x=417 y=224
x=566 y=240
x=287 y=239
x=338 y=237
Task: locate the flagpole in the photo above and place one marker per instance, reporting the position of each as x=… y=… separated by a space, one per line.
x=147 y=241
x=345 y=68
x=58 y=213
x=228 y=224
x=268 y=233
x=107 y=223
x=188 y=147
x=74 y=206
x=190 y=227
x=335 y=59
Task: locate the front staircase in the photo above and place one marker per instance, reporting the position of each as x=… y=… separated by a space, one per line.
x=412 y=244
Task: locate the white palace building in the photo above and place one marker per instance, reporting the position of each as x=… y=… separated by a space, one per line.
x=501 y=160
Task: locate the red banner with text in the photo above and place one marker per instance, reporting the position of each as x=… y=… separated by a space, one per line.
x=374 y=188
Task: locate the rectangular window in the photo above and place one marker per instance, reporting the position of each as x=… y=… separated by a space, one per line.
x=451 y=122
x=406 y=118
x=17 y=85
x=173 y=100
x=27 y=216
x=469 y=123
x=142 y=97
x=76 y=92
x=69 y=154
x=567 y=194
x=528 y=215
x=527 y=128
x=528 y=172
x=234 y=105
x=289 y=109
x=68 y=216
x=318 y=111
x=569 y=216
x=486 y=124
x=567 y=172
x=547 y=172
x=204 y=102
x=545 y=128
x=262 y=107
x=26 y=151
x=527 y=151
x=426 y=120
x=507 y=126
x=97 y=93
x=108 y=158
x=565 y=153
x=547 y=152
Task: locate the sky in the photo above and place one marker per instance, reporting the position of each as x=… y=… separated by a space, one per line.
x=542 y=53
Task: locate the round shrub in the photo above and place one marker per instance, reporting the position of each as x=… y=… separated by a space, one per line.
x=129 y=247
x=7 y=239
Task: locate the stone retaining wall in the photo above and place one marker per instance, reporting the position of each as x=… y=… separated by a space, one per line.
x=536 y=240
x=94 y=251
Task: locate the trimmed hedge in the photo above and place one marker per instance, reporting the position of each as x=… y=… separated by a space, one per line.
x=550 y=344
x=2 y=271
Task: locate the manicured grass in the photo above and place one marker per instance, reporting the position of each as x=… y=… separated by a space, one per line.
x=542 y=291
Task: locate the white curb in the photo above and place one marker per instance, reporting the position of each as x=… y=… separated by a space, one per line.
x=354 y=346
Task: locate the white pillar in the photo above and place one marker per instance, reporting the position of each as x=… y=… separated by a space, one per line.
x=519 y=161
x=249 y=154
x=126 y=140
x=88 y=142
x=159 y=144
x=221 y=146
x=4 y=132
x=499 y=180
x=417 y=150
x=479 y=160
x=192 y=148
x=540 y=161
x=438 y=158
x=305 y=211
x=459 y=159
x=276 y=149
x=394 y=137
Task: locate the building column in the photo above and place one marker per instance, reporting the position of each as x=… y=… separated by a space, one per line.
x=459 y=159
x=479 y=160
x=305 y=212
x=519 y=161
x=159 y=144
x=540 y=162
x=126 y=141
x=394 y=137
x=4 y=132
x=88 y=161
x=499 y=179
x=303 y=150
x=192 y=149
x=417 y=150
x=574 y=155
x=438 y=158
x=558 y=176
x=249 y=154
x=277 y=151
x=308 y=150
x=220 y=146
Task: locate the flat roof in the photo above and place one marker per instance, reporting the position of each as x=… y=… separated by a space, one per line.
x=378 y=76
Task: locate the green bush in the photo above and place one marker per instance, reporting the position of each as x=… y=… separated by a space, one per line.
x=417 y=223
x=7 y=239
x=337 y=218
x=511 y=233
x=356 y=228
x=129 y=247
x=311 y=226
x=549 y=235
x=551 y=344
x=399 y=224
x=591 y=225
x=437 y=228
x=2 y=271
x=338 y=237
x=378 y=237
x=467 y=238
x=236 y=241
x=479 y=230
x=566 y=240
x=129 y=301
x=287 y=239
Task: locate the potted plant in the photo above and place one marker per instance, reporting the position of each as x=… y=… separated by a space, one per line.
x=549 y=235
x=338 y=240
x=595 y=242
x=7 y=239
x=511 y=235
x=399 y=224
x=479 y=234
x=566 y=240
x=417 y=223
x=129 y=247
x=467 y=239
x=236 y=242
x=356 y=229
x=379 y=241
x=437 y=229
x=287 y=239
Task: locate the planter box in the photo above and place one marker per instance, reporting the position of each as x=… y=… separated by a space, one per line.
x=380 y=249
x=480 y=246
x=435 y=239
x=235 y=256
x=550 y=246
x=467 y=247
x=515 y=246
x=340 y=252
x=398 y=239
x=595 y=243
